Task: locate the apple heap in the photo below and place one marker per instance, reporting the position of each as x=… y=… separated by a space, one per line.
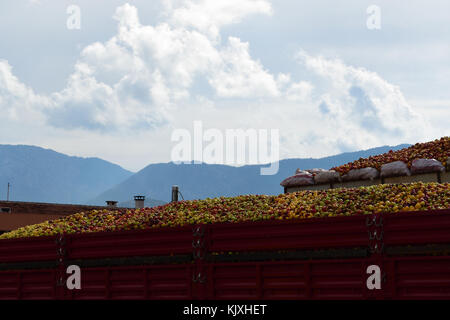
x=438 y=149
x=299 y=205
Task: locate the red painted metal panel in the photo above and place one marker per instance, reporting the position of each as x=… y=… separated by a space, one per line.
x=287 y=280
x=418 y=277
x=130 y=243
x=424 y=227
x=407 y=277
x=28 y=284
x=27 y=249
x=314 y=233
x=139 y=282
x=400 y=228
x=9 y=285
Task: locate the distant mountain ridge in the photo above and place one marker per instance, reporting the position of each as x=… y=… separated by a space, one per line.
x=43 y=175
x=198 y=181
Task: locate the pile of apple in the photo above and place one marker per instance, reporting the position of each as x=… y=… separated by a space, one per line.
x=438 y=149
x=299 y=205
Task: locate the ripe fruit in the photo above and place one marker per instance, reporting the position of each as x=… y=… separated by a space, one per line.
x=438 y=149
x=299 y=205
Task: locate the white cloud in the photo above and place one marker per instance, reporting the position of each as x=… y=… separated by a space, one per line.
x=358 y=95
x=241 y=76
x=17 y=101
x=136 y=78
x=299 y=91
x=209 y=16
x=349 y=108
x=144 y=78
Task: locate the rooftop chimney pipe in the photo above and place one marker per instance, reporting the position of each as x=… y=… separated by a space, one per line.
x=175 y=193
x=111 y=204
x=139 y=202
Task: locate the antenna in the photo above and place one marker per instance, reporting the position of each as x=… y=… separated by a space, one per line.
x=7 y=195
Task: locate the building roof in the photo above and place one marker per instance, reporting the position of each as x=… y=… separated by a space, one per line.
x=16 y=214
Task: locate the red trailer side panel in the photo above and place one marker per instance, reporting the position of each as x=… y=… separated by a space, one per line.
x=326 y=279
x=314 y=233
x=28 y=285
x=28 y=249
x=139 y=282
x=413 y=277
x=417 y=277
x=409 y=228
x=130 y=243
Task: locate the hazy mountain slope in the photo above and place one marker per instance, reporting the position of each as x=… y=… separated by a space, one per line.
x=43 y=175
x=198 y=181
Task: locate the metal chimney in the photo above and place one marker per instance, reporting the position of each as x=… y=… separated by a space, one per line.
x=111 y=203
x=139 y=202
x=175 y=193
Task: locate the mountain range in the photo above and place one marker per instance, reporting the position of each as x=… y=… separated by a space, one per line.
x=43 y=175
x=198 y=181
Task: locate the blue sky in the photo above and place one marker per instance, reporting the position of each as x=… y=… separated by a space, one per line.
x=136 y=71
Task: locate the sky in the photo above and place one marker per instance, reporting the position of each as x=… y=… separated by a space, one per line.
x=114 y=79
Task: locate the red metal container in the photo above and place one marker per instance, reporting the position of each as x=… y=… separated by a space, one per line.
x=320 y=258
